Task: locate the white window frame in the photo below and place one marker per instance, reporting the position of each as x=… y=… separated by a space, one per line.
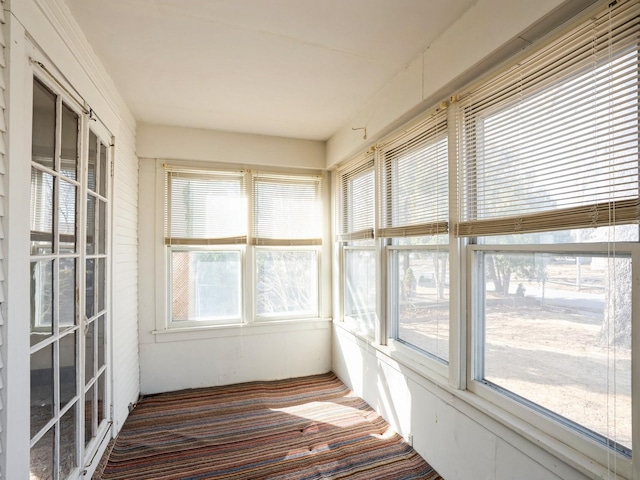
x=230 y=320
x=183 y=329
x=300 y=316
x=547 y=424
x=423 y=358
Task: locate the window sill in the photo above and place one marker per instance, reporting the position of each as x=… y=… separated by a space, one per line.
x=238 y=330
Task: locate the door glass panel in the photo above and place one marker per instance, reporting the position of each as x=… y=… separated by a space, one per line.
x=102 y=226
x=44 y=125
x=103 y=170
x=101 y=341
x=88 y=415
x=68 y=443
x=41 y=388
x=93 y=159
x=89 y=353
x=91 y=224
x=42 y=454
x=41 y=217
x=41 y=300
x=67 y=217
x=90 y=302
x=101 y=397
x=67 y=279
x=69 y=151
x=68 y=365
x=101 y=279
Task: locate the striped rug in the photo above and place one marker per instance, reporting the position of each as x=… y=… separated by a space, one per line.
x=297 y=429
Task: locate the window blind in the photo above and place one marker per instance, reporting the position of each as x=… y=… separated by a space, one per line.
x=287 y=209
x=552 y=144
x=357 y=187
x=205 y=207
x=414 y=181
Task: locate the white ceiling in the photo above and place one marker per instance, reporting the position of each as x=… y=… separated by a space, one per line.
x=290 y=68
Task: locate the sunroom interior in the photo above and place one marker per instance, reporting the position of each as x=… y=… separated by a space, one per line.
x=436 y=201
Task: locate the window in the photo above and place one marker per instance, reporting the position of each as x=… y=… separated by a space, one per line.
x=357 y=197
x=414 y=212
x=205 y=234
x=507 y=259
x=216 y=263
x=549 y=200
x=287 y=232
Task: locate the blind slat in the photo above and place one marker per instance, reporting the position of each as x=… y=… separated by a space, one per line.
x=552 y=144
x=287 y=209
x=413 y=174
x=204 y=207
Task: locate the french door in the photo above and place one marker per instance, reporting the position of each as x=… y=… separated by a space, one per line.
x=69 y=291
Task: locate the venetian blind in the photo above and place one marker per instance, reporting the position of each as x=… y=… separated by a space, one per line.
x=552 y=143
x=287 y=209
x=357 y=188
x=204 y=207
x=414 y=181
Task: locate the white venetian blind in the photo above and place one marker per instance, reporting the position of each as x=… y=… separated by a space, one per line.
x=287 y=209
x=357 y=187
x=414 y=181
x=204 y=207
x=552 y=143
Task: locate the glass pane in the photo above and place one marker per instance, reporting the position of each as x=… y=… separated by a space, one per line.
x=205 y=285
x=41 y=218
x=287 y=282
x=101 y=281
x=44 y=125
x=101 y=340
x=41 y=300
x=93 y=159
x=89 y=415
x=89 y=294
x=68 y=443
x=421 y=300
x=41 y=388
x=68 y=368
x=67 y=217
x=67 y=300
x=42 y=454
x=360 y=290
x=101 y=397
x=91 y=224
x=102 y=226
x=89 y=353
x=69 y=151
x=103 y=170
x=602 y=234
x=558 y=334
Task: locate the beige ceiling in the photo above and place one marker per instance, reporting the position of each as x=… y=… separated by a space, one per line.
x=291 y=68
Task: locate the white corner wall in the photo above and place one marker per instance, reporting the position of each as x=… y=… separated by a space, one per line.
x=219 y=356
x=49 y=26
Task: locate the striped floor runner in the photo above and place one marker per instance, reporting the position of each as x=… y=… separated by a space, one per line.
x=304 y=428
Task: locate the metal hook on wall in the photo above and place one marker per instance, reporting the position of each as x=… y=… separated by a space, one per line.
x=361 y=128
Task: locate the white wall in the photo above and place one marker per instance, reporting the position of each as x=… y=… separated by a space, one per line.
x=489 y=32
x=459 y=441
x=218 y=356
x=158 y=141
x=58 y=41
